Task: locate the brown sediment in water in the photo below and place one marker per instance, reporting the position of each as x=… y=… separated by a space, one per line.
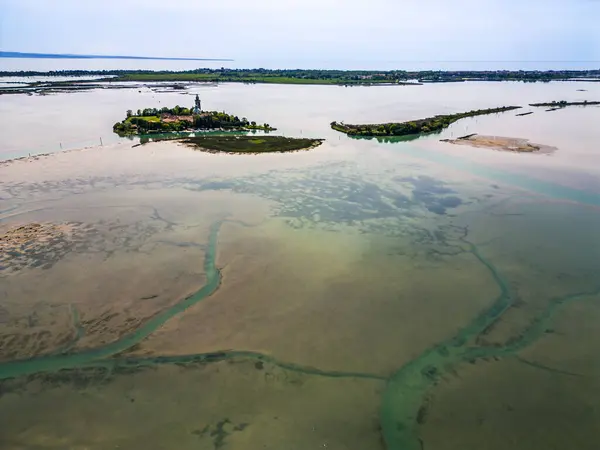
x=490 y=403
x=507 y=144
x=334 y=299
x=22 y=246
x=308 y=326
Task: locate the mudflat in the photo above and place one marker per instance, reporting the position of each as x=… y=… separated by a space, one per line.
x=349 y=297
x=500 y=143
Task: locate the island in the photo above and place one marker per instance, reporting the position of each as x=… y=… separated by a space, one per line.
x=564 y=103
x=428 y=125
x=506 y=144
x=237 y=144
x=164 y=120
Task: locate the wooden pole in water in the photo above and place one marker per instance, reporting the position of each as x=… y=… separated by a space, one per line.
x=101 y=142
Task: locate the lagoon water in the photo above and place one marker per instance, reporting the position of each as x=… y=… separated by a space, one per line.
x=294 y=61
x=362 y=295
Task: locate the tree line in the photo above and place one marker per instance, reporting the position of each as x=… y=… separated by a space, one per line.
x=338 y=75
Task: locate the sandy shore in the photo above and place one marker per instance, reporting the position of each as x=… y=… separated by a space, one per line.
x=501 y=143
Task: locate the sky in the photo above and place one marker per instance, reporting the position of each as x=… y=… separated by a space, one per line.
x=308 y=33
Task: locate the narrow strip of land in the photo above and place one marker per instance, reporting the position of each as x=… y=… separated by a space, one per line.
x=428 y=125
x=333 y=76
x=563 y=103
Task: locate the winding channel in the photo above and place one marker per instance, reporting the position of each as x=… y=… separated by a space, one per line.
x=56 y=362
x=407 y=388
x=100 y=356
x=405 y=391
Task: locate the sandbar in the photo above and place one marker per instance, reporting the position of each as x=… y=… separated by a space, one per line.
x=507 y=144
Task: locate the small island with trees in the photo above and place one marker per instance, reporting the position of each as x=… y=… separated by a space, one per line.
x=428 y=125
x=564 y=103
x=164 y=120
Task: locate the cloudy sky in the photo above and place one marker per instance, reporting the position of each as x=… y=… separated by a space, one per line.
x=308 y=31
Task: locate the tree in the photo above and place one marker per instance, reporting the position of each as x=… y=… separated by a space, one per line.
x=129 y=113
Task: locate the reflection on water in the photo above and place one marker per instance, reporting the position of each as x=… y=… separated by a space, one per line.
x=363 y=295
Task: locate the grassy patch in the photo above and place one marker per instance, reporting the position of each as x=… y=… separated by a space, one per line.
x=250 y=144
x=146 y=118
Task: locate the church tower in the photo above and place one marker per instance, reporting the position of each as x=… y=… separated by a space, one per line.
x=197 y=106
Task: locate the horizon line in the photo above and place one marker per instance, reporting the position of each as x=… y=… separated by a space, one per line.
x=5 y=54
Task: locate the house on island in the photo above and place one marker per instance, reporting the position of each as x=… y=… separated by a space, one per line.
x=168 y=117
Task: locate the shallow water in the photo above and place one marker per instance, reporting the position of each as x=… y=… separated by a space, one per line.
x=292 y=62
x=347 y=297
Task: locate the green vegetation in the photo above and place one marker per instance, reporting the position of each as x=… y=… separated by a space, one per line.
x=143 y=119
x=165 y=120
x=105 y=78
x=255 y=77
x=250 y=144
x=429 y=125
x=563 y=103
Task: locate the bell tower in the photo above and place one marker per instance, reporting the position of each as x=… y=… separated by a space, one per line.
x=197 y=105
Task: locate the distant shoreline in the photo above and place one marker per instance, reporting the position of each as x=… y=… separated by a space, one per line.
x=345 y=78
x=308 y=76
x=77 y=56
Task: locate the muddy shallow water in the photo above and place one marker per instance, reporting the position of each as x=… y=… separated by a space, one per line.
x=348 y=297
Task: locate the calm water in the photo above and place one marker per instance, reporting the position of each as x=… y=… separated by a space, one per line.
x=294 y=62
x=372 y=295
